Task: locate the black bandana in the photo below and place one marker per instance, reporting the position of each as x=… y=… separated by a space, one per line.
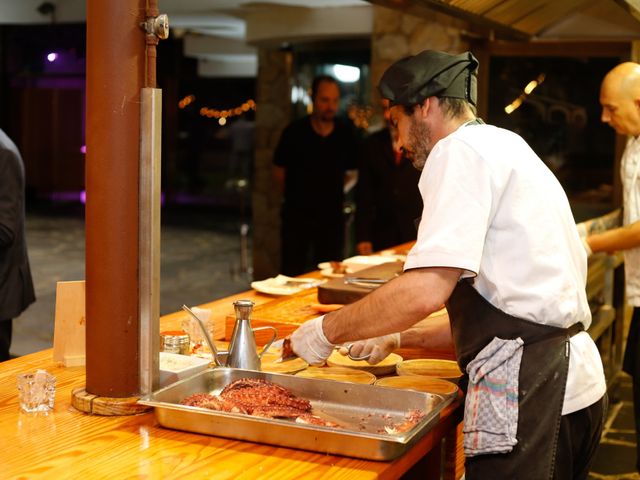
x=430 y=73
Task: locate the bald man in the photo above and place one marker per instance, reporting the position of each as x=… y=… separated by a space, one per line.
x=620 y=100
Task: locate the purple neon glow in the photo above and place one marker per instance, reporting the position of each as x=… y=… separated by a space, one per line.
x=66 y=196
x=52 y=56
x=81 y=196
x=83 y=149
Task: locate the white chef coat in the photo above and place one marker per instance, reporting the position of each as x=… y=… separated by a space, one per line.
x=629 y=170
x=492 y=208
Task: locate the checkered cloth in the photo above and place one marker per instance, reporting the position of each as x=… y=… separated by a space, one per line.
x=491 y=405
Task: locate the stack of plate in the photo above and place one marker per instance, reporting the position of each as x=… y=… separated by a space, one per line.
x=420 y=384
x=430 y=367
x=341 y=374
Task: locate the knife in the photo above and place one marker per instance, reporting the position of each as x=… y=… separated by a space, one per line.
x=365 y=282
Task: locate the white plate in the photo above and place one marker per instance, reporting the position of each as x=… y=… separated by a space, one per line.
x=371 y=260
x=283 y=285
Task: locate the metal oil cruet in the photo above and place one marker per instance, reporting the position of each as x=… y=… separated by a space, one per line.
x=243 y=352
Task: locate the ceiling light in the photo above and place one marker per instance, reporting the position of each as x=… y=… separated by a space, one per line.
x=346 y=73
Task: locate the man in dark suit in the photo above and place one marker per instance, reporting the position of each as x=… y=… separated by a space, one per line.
x=388 y=201
x=16 y=285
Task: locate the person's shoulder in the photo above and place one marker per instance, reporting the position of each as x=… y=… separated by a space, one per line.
x=7 y=147
x=380 y=134
x=483 y=134
x=5 y=141
x=344 y=124
x=295 y=130
x=299 y=124
x=346 y=129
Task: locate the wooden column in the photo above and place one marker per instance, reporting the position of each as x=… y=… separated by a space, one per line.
x=115 y=76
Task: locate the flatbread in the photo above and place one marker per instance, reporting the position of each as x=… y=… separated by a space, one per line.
x=420 y=384
x=271 y=363
x=386 y=366
x=341 y=374
x=430 y=367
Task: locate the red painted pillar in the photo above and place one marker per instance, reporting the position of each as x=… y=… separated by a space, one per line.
x=115 y=75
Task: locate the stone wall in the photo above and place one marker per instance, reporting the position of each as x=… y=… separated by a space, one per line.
x=273 y=113
x=397 y=35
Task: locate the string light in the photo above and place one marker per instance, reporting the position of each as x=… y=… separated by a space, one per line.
x=221 y=115
x=231 y=112
x=531 y=86
x=359 y=115
x=189 y=99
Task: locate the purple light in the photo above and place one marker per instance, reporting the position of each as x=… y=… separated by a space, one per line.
x=52 y=56
x=83 y=197
x=83 y=149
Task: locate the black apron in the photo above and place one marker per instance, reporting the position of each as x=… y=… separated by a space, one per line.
x=542 y=382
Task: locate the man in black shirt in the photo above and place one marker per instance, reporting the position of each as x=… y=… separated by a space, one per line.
x=315 y=158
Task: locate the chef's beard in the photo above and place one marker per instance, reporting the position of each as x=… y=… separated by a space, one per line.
x=419 y=144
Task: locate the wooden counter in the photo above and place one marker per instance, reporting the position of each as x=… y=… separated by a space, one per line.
x=69 y=444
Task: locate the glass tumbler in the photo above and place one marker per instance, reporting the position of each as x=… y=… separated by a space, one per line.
x=36 y=391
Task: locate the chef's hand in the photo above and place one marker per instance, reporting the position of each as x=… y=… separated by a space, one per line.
x=587 y=247
x=309 y=342
x=583 y=232
x=378 y=348
x=583 y=229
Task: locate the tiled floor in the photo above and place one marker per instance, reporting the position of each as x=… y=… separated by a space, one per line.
x=201 y=262
x=616 y=456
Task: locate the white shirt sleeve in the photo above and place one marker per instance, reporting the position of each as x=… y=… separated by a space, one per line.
x=456 y=187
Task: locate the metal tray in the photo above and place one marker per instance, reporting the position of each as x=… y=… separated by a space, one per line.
x=362 y=411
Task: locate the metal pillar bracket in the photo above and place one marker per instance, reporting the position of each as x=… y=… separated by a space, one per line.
x=157 y=26
x=149 y=236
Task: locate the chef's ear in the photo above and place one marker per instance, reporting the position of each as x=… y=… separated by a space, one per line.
x=425 y=106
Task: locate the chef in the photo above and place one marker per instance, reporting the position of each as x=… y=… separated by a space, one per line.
x=498 y=244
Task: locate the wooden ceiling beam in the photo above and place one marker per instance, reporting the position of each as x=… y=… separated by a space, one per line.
x=424 y=8
x=630 y=6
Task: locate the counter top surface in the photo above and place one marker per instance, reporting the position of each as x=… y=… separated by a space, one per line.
x=67 y=443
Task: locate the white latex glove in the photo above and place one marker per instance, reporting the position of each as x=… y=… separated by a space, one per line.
x=378 y=348
x=309 y=342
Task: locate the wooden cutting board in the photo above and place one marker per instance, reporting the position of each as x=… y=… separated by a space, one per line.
x=337 y=291
x=420 y=384
x=342 y=374
x=385 y=367
x=430 y=367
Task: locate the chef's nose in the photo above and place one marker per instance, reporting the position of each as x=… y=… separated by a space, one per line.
x=605 y=117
